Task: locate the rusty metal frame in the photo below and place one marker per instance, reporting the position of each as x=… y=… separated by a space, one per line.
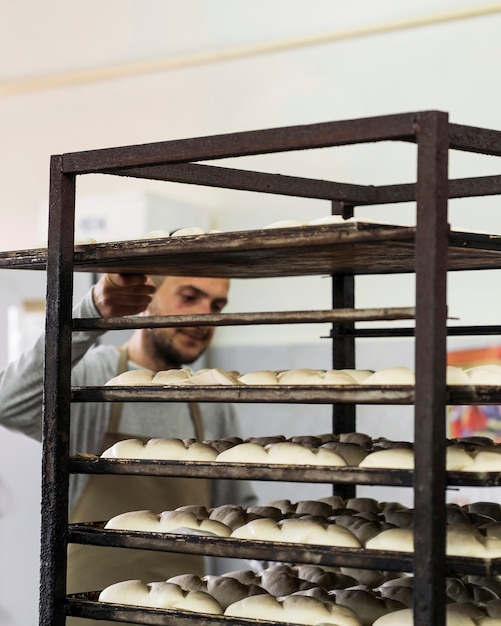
x=180 y=160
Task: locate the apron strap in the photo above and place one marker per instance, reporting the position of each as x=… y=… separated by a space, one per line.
x=117 y=407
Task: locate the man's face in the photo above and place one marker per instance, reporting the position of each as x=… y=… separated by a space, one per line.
x=184 y=296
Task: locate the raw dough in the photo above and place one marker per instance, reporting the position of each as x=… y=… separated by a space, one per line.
x=391 y=376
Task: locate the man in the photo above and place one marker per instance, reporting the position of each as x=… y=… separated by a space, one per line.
x=96 y=426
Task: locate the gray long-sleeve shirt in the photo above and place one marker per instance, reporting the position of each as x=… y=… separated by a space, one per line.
x=21 y=388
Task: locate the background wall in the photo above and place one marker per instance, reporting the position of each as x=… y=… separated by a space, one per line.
x=84 y=75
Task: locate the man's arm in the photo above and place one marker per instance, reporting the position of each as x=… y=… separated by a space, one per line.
x=21 y=382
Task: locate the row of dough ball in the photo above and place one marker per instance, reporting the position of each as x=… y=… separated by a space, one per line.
x=474 y=534
x=303 y=594
x=197 y=230
x=383 y=454
x=479 y=375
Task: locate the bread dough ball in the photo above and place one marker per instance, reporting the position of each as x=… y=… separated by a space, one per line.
x=484 y=461
x=300 y=377
x=295 y=454
x=392 y=540
x=461 y=540
x=352 y=453
x=171 y=377
x=161 y=595
x=365 y=604
x=284 y=224
x=327 y=219
x=456 y=376
x=337 y=377
x=259 y=377
x=456 y=458
x=392 y=458
x=358 y=375
x=294 y=609
x=143 y=521
x=391 y=376
x=263 y=529
x=170 y=521
x=134 y=592
x=136 y=378
x=126 y=449
x=156 y=234
x=484 y=375
x=311 y=532
x=213 y=376
x=243 y=453
x=164 y=449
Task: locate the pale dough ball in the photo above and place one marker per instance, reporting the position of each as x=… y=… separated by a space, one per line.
x=126 y=449
x=259 y=377
x=461 y=540
x=156 y=234
x=365 y=604
x=308 y=610
x=457 y=458
x=293 y=453
x=171 y=377
x=391 y=376
x=264 y=607
x=358 y=375
x=135 y=378
x=200 y=452
x=484 y=461
x=126 y=592
x=393 y=539
x=284 y=224
x=405 y=618
x=300 y=377
x=352 y=453
x=327 y=219
x=189 y=230
x=164 y=449
x=392 y=458
x=263 y=529
x=135 y=520
x=337 y=377
x=243 y=453
x=309 y=531
x=456 y=376
x=170 y=521
x=485 y=375
x=213 y=376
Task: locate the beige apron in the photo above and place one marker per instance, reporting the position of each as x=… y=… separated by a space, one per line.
x=92 y=568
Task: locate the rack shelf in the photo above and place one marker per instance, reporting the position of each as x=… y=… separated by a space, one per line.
x=351 y=248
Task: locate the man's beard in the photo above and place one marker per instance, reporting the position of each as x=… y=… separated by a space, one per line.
x=164 y=351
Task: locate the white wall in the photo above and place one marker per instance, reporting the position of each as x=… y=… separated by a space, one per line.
x=451 y=66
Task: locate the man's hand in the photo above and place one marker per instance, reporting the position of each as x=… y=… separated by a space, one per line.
x=116 y=295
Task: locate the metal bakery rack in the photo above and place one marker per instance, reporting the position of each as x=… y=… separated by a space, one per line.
x=343 y=250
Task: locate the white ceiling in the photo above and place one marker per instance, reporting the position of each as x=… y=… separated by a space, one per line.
x=39 y=38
